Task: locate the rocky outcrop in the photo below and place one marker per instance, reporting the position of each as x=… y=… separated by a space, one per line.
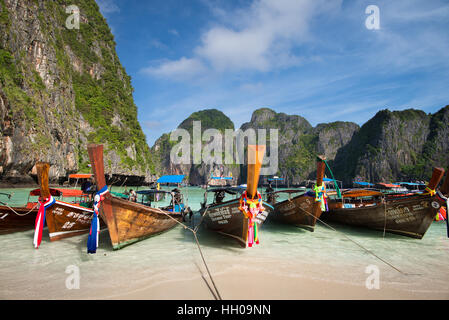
x=197 y=173
x=60 y=89
x=333 y=136
x=299 y=142
x=398 y=145
x=392 y=146
x=296 y=142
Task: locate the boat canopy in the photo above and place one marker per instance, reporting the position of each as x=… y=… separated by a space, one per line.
x=329 y=180
x=80 y=176
x=171 y=179
x=230 y=190
x=275 y=179
x=388 y=185
x=221 y=178
x=152 y=191
x=410 y=183
x=361 y=183
x=67 y=193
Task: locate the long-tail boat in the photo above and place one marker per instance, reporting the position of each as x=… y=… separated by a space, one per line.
x=127 y=221
x=64 y=219
x=16 y=219
x=231 y=218
x=304 y=209
x=407 y=215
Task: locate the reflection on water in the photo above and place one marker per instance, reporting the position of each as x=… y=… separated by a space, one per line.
x=26 y=273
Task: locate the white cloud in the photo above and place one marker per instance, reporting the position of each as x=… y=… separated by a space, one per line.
x=108 y=6
x=258 y=38
x=158 y=44
x=178 y=69
x=174 y=32
x=262 y=37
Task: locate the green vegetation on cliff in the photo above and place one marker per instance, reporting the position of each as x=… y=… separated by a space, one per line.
x=210 y=119
x=110 y=95
x=64 y=88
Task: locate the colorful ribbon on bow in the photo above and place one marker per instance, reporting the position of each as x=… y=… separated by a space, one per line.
x=430 y=191
x=40 y=220
x=250 y=209
x=320 y=196
x=92 y=240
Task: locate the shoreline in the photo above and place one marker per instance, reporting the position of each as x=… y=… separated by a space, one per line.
x=272 y=288
x=237 y=277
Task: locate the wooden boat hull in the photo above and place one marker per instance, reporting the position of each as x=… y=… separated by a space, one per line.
x=298 y=211
x=129 y=222
x=409 y=217
x=11 y=222
x=302 y=210
x=227 y=219
x=65 y=220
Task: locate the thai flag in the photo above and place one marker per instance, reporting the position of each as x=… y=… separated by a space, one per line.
x=92 y=240
x=40 y=220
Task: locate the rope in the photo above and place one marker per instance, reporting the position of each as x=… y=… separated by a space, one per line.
x=359 y=245
x=20 y=214
x=197 y=243
x=335 y=181
x=6 y=195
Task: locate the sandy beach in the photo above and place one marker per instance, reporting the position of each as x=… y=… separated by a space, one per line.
x=288 y=264
x=239 y=274
x=266 y=286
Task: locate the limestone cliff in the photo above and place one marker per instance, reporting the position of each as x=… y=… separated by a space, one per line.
x=62 y=88
x=196 y=174
x=398 y=145
x=299 y=142
x=392 y=146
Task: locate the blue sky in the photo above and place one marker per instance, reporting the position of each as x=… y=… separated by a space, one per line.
x=314 y=58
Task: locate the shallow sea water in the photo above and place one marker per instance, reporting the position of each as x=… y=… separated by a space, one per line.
x=325 y=255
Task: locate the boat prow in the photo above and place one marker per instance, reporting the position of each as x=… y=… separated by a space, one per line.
x=228 y=218
x=64 y=219
x=128 y=222
x=302 y=210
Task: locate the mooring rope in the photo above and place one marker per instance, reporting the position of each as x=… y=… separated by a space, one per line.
x=20 y=214
x=199 y=247
x=358 y=244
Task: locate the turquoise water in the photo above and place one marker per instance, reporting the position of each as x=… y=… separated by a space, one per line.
x=26 y=273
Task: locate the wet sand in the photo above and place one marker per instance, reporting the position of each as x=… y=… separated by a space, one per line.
x=266 y=286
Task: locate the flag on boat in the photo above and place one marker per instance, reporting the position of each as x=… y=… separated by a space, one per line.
x=92 y=240
x=40 y=220
x=441 y=215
